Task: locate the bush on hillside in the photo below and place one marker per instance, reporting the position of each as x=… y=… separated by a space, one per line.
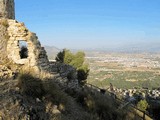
x=82 y=73
x=68 y=57
x=142 y=105
x=60 y=56
x=77 y=61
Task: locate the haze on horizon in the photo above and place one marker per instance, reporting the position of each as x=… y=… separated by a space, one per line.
x=81 y=24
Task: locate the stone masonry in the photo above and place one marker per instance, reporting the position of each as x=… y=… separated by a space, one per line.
x=7 y=9
x=3 y=41
x=37 y=58
x=12 y=33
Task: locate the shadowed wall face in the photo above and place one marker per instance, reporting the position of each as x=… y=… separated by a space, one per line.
x=7 y=9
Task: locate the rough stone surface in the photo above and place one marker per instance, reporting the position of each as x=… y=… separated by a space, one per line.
x=12 y=33
x=3 y=40
x=7 y=9
x=66 y=77
x=37 y=59
x=13 y=100
x=16 y=106
x=6 y=73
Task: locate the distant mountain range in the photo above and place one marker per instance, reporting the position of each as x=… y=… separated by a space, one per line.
x=139 y=48
x=134 y=48
x=51 y=51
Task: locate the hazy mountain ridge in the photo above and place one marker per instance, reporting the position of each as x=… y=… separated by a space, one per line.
x=130 y=48
x=153 y=47
x=51 y=51
x=134 y=48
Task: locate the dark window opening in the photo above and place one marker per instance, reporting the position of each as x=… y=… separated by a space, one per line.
x=23 y=49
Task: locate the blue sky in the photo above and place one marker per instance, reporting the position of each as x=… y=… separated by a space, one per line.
x=91 y=23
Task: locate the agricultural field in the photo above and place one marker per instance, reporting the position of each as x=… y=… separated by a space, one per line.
x=124 y=70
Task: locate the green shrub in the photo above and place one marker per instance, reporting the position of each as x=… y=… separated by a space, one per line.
x=77 y=61
x=142 y=105
x=60 y=56
x=82 y=73
x=68 y=57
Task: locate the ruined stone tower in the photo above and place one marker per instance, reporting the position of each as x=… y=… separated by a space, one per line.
x=7 y=9
x=14 y=36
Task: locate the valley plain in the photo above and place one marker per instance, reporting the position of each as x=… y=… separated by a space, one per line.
x=124 y=70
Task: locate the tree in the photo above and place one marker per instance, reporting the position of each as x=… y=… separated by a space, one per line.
x=68 y=57
x=60 y=56
x=82 y=73
x=77 y=61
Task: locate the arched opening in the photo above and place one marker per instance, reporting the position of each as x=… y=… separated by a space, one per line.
x=23 y=49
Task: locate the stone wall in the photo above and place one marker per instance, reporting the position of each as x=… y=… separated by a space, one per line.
x=66 y=75
x=6 y=73
x=7 y=9
x=3 y=40
x=11 y=33
x=37 y=59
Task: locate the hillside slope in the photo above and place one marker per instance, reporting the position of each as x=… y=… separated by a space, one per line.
x=23 y=100
x=30 y=98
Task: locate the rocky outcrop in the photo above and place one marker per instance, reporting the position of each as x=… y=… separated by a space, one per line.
x=66 y=75
x=6 y=73
x=54 y=104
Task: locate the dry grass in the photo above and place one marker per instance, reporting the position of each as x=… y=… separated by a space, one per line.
x=103 y=106
x=58 y=104
x=30 y=85
x=85 y=104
